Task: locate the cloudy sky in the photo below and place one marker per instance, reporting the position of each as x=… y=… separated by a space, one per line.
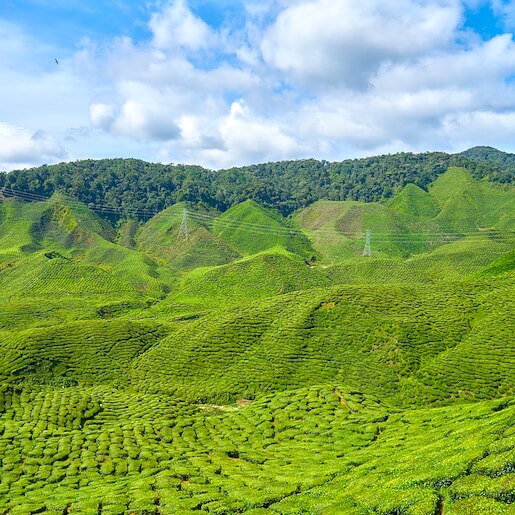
x=222 y=83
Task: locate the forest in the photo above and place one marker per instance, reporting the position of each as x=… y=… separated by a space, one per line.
x=137 y=189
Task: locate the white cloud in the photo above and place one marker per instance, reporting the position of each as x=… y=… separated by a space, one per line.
x=344 y=42
x=144 y=120
x=468 y=129
x=101 y=115
x=418 y=78
x=177 y=26
x=239 y=137
x=20 y=147
x=249 y=139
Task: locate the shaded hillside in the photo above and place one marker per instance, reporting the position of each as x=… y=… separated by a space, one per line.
x=468 y=205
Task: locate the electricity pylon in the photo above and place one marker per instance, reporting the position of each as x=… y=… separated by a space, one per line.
x=184 y=232
x=367 y=251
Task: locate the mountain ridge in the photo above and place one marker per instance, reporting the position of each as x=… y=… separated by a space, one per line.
x=121 y=187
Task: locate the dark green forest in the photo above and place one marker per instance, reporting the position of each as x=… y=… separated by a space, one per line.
x=139 y=189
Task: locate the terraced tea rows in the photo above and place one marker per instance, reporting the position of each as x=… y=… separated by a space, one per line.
x=387 y=340
x=90 y=352
x=246 y=362
x=255 y=459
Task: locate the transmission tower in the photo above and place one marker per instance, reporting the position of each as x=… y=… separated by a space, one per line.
x=367 y=251
x=184 y=232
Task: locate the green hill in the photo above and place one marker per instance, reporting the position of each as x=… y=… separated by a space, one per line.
x=468 y=205
x=452 y=261
x=241 y=282
x=90 y=352
x=33 y=235
x=375 y=338
x=338 y=229
x=492 y=156
x=131 y=188
x=413 y=200
x=415 y=222
x=251 y=228
x=503 y=265
x=234 y=356
x=195 y=248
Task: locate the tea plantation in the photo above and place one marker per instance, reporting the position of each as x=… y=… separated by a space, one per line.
x=247 y=362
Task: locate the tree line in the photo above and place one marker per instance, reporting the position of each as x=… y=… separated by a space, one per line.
x=132 y=185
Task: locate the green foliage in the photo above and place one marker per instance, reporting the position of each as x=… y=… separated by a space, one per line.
x=411 y=344
x=107 y=455
x=502 y=160
x=139 y=189
x=242 y=224
x=258 y=363
x=504 y=265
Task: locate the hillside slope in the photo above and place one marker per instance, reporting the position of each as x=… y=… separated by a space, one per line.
x=380 y=339
x=237 y=360
x=251 y=228
x=196 y=247
x=456 y=208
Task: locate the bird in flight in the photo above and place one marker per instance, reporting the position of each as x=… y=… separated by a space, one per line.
x=56 y=61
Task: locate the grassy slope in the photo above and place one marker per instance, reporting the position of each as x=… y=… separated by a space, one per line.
x=62 y=247
x=102 y=411
x=161 y=236
x=468 y=205
x=504 y=265
x=450 y=232
x=241 y=282
x=88 y=352
x=450 y=262
x=251 y=228
x=415 y=201
x=338 y=229
x=382 y=339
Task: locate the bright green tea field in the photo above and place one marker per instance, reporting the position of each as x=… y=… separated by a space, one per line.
x=249 y=362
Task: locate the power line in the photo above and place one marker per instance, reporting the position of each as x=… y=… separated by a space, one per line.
x=210 y=220
x=34 y=197
x=216 y=222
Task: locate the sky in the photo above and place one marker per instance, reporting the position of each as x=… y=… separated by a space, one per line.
x=228 y=83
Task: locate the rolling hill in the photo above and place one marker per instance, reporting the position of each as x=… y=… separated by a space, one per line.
x=251 y=228
x=225 y=355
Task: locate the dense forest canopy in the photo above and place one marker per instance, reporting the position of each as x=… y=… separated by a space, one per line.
x=139 y=189
x=491 y=155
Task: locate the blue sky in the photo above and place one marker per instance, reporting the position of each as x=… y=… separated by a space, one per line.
x=235 y=82
x=64 y=23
